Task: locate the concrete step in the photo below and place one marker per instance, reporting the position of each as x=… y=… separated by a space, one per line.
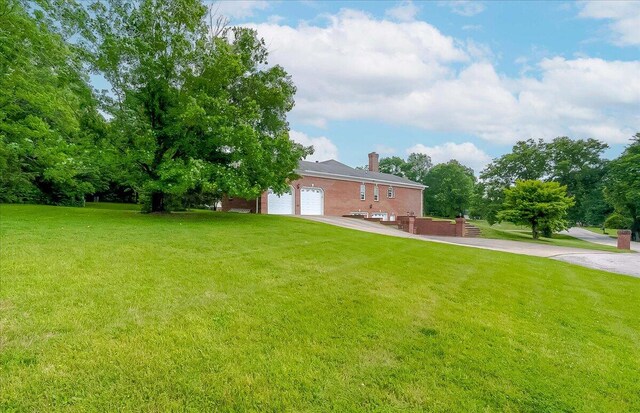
x=471 y=231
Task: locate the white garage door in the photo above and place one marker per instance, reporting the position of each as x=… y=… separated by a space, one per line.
x=280 y=204
x=311 y=201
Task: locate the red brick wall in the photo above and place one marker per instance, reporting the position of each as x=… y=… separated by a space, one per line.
x=407 y=223
x=343 y=197
x=238 y=203
x=427 y=226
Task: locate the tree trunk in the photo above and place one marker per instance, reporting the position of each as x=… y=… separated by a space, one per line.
x=635 y=230
x=534 y=230
x=157 y=202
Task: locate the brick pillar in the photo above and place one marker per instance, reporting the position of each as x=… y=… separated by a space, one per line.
x=412 y=225
x=460 y=227
x=624 y=239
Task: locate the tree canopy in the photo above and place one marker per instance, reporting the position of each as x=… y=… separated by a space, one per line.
x=416 y=167
x=577 y=164
x=537 y=204
x=622 y=185
x=449 y=191
x=51 y=134
x=192 y=107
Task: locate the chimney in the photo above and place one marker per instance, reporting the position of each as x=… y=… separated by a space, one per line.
x=373 y=162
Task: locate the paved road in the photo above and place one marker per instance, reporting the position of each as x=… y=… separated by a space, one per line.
x=590 y=236
x=628 y=264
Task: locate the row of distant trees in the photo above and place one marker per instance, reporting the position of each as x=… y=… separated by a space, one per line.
x=569 y=181
x=192 y=109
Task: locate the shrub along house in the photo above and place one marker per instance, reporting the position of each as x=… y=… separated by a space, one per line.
x=333 y=188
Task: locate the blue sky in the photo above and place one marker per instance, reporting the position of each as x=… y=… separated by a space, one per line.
x=456 y=79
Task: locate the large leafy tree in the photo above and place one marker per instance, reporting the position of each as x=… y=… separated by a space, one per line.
x=195 y=107
x=526 y=161
x=622 y=185
x=537 y=204
x=415 y=167
x=51 y=134
x=449 y=189
x=393 y=165
x=577 y=164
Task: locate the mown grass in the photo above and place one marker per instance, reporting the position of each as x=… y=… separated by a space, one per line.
x=512 y=232
x=113 y=205
x=112 y=310
x=613 y=233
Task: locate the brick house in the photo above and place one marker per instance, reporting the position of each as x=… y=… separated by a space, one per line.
x=333 y=188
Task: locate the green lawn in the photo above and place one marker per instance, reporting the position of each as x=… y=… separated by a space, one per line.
x=613 y=233
x=112 y=310
x=512 y=232
x=113 y=205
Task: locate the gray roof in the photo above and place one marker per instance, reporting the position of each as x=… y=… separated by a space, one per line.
x=335 y=168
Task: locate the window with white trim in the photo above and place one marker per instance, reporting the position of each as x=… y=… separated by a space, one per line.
x=391 y=192
x=376 y=193
x=362 y=192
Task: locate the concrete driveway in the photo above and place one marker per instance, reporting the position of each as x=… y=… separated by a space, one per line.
x=628 y=264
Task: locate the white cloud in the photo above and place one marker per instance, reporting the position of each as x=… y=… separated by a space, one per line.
x=465 y=8
x=238 y=9
x=275 y=19
x=624 y=17
x=472 y=27
x=466 y=153
x=384 y=149
x=404 y=12
x=589 y=97
x=356 y=67
x=324 y=149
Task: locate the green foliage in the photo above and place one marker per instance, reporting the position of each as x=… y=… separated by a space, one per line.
x=450 y=186
x=618 y=221
x=449 y=189
x=194 y=109
x=415 y=168
x=479 y=207
x=51 y=134
x=541 y=205
x=577 y=164
x=394 y=165
x=526 y=161
x=622 y=185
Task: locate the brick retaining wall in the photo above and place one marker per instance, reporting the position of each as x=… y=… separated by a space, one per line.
x=427 y=226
